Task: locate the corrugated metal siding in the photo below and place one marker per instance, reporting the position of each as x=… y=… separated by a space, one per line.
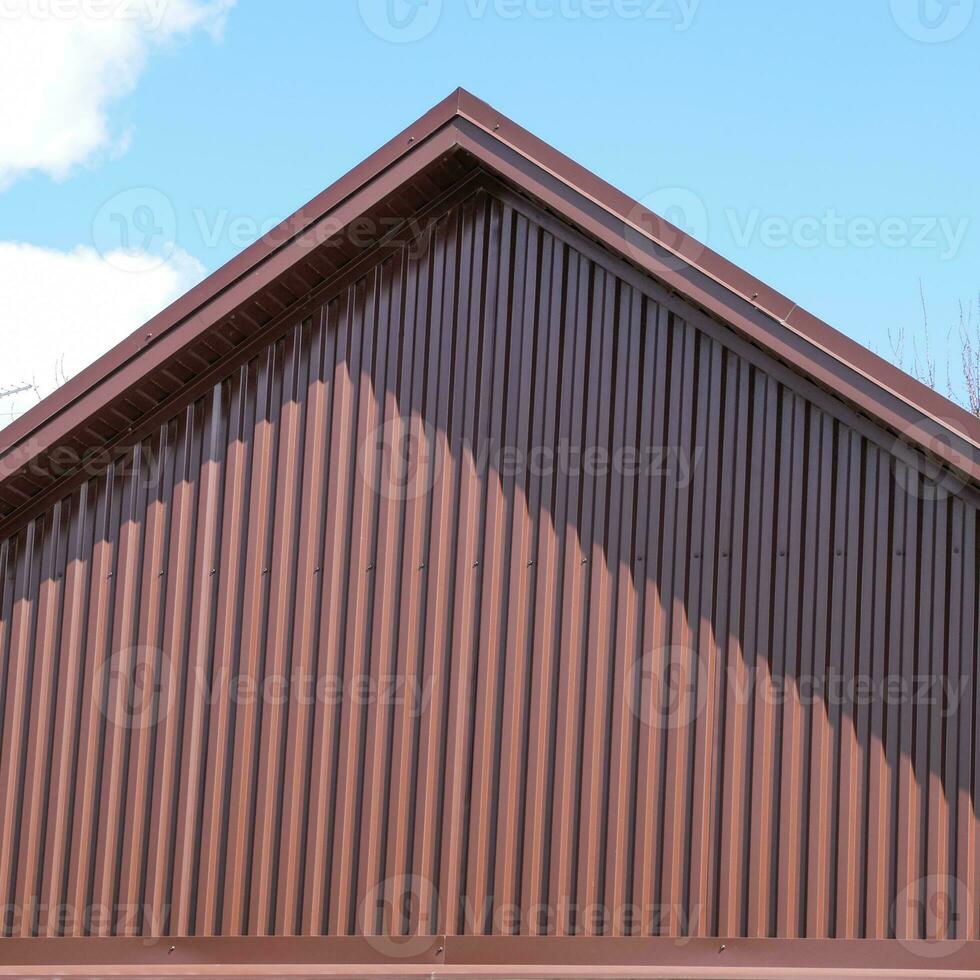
x=535 y=780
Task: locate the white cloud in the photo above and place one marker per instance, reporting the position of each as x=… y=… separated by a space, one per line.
x=64 y=62
x=62 y=65
x=61 y=310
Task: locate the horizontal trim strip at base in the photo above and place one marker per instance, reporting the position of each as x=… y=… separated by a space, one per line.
x=486 y=956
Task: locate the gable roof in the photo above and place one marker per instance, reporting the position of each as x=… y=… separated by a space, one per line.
x=181 y=350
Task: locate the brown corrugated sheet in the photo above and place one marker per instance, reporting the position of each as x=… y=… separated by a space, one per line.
x=500 y=758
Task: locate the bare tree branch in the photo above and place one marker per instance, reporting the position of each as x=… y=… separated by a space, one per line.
x=961 y=381
x=9 y=392
x=969 y=350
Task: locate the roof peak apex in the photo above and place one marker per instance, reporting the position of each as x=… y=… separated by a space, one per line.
x=463 y=123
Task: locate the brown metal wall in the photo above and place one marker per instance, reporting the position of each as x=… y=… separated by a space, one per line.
x=537 y=782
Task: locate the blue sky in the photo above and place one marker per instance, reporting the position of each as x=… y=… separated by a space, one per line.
x=830 y=149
